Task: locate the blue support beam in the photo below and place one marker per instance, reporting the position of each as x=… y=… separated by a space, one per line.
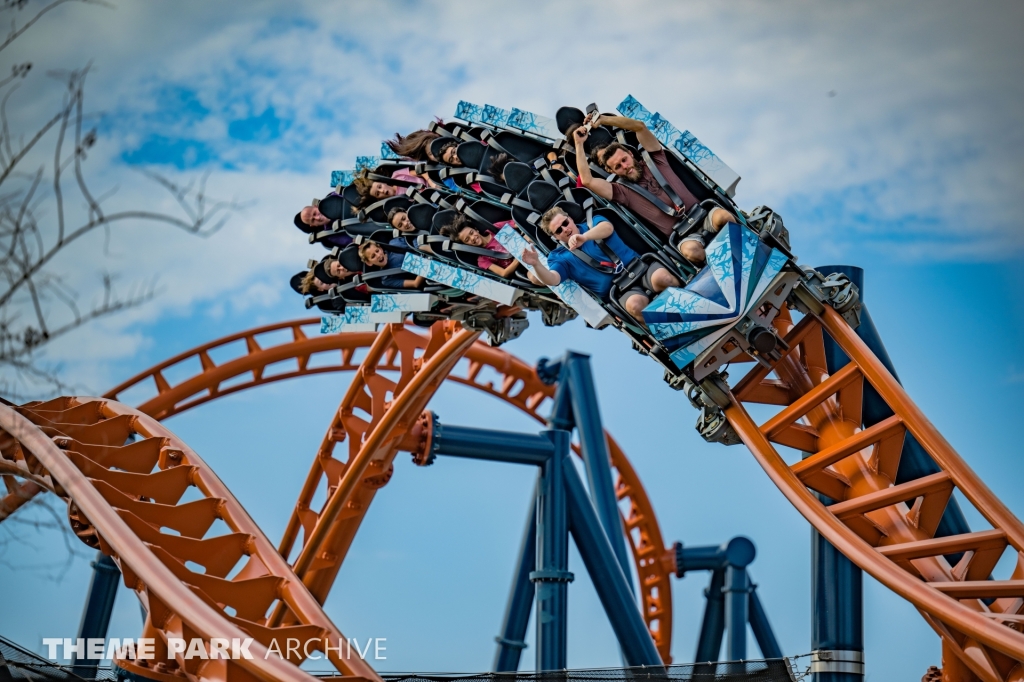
x=495 y=446
x=608 y=578
x=837 y=603
x=737 y=598
x=512 y=639
x=99 y=604
x=712 y=627
x=552 y=576
x=576 y=374
x=915 y=462
x=760 y=626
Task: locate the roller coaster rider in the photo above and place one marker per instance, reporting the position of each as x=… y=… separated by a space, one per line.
x=374 y=256
x=647 y=186
x=596 y=258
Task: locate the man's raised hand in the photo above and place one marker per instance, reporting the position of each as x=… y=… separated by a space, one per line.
x=530 y=256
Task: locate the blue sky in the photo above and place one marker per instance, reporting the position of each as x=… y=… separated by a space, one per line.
x=887 y=134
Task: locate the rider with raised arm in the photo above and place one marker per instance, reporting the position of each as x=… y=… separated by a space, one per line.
x=592 y=256
x=639 y=185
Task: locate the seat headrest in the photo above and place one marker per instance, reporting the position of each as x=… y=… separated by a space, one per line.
x=566 y=116
x=542 y=195
x=333 y=207
x=320 y=272
x=518 y=175
x=400 y=201
x=522 y=218
x=351 y=196
x=471 y=153
x=368 y=229
x=522 y=148
x=599 y=137
x=442 y=218
x=420 y=216
x=296 y=281
x=435 y=146
x=573 y=210
x=349 y=258
x=491 y=213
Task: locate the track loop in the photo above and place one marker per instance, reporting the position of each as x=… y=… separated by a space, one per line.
x=153 y=506
x=887 y=529
x=516 y=384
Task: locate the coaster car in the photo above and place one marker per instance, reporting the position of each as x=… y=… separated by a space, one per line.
x=722 y=313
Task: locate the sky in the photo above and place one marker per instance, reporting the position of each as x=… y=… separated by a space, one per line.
x=887 y=134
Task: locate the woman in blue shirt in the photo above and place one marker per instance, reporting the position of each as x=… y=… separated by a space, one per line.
x=563 y=264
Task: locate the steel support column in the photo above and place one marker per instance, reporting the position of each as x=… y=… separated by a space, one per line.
x=99 y=604
x=760 y=626
x=736 y=599
x=837 y=604
x=491 y=445
x=712 y=627
x=577 y=376
x=512 y=639
x=552 y=575
x=609 y=580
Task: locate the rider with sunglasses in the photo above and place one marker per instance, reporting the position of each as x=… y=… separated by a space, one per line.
x=592 y=256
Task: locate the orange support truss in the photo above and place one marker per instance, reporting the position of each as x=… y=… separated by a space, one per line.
x=378 y=416
x=886 y=529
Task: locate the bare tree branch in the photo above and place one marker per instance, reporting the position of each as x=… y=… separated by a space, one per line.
x=19 y=4
x=39 y=222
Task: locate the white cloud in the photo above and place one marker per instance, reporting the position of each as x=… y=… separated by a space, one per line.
x=917 y=156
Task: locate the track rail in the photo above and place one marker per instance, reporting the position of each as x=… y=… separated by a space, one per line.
x=120 y=499
x=296 y=349
x=376 y=429
x=886 y=529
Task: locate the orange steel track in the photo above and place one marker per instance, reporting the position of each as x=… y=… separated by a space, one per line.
x=120 y=497
x=888 y=530
x=422 y=363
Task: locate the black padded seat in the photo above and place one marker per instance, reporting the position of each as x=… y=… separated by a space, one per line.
x=335 y=207
x=490 y=213
x=386 y=168
x=566 y=116
x=542 y=195
x=492 y=189
x=351 y=195
x=573 y=210
x=421 y=215
x=442 y=218
x=371 y=230
x=599 y=137
x=401 y=201
x=695 y=185
x=521 y=148
x=529 y=222
x=518 y=175
x=471 y=154
x=349 y=258
x=436 y=145
x=596 y=171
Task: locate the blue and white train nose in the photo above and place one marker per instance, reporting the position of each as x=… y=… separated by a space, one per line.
x=728 y=308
